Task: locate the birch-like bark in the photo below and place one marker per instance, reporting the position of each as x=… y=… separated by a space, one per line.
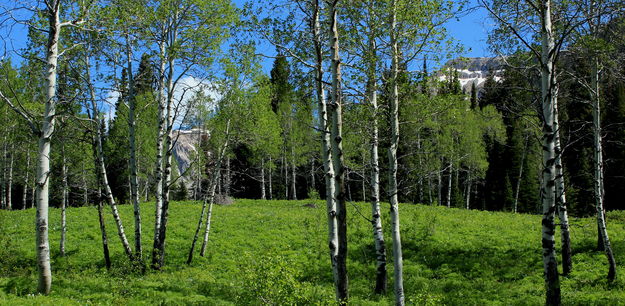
x=336 y=141
x=293 y=175
x=392 y=160
x=100 y=165
x=43 y=160
x=263 y=196
x=27 y=172
x=197 y=230
x=222 y=155
x=548 y=190
x=520 y=176
x=158 y=169
x=598 y=173
x=269 y=179
x=439 y=190
x=326 y=147
x=449 y=182
x=376 y=218
x=228 y=178
x=469 y=183
x=10 y=178
x=565 y=234
x=105 y=243
x=158 y=253
x=134 y=184
x=63 y=202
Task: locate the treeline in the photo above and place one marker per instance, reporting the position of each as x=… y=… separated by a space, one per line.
x=348 y=112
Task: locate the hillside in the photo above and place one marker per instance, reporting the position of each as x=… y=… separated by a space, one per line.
x=276 y=252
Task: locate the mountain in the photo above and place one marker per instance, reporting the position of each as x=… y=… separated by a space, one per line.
x=185 y=148
x=473 y=70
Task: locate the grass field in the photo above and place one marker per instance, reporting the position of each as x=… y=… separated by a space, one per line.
x=275 y=252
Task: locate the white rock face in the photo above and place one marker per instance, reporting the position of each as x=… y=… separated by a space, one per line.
x=473 y=70
x=185 y=148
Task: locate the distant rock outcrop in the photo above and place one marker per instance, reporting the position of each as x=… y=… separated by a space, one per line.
x=474 y=70
x=185 y=148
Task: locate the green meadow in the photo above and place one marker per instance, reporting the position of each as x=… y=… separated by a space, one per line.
x=275 y=252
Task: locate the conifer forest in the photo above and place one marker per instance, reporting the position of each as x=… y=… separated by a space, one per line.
x=312 y=152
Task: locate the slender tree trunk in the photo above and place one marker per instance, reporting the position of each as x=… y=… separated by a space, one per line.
x=430 y=189
x=197 y=230
x=439 y=176
x=27 y=171
x=285 y=171
x=312 y=174
x=598 y=167
x=263 y=196
x=85 y=188
x=293 y=175
x=392 y=159
x=449 y=182
x=3 y=194
x=43 y=163
x=548 y=192
x=105 y=243
x=158 y=170
x=63 y=202
x=158 y=253
x=520 y=176
x=100 y=165
x=337 y=155
x=134 y=183
x=10 y=179
x=326 y=148
x=565 y=234
x=270 y=183
x=222 y=155
x=376 y=218
x=469 y=183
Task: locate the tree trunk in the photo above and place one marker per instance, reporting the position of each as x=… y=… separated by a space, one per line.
x=312 y=174
x=211 y=195
x=376 y=218
x=85 y=188
x=263 y=196
x=392 y=159
x=270 y=183
x=27 y=171
x=549 y=100
x=105 y=243
x=158 y=253
x=63 y=203
x=598 y=179
x=293 y=175
x=100 y=165
x=565 y=234
x=158 y=170
x=337 y=156
x=439 y=176
x=520 y=176
x=134 y=183
x=43 y=162
x=469 y=183
x=10 y=179
x=449 y=182
x=228 y=178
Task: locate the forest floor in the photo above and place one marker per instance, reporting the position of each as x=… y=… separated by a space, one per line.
x=275 y=252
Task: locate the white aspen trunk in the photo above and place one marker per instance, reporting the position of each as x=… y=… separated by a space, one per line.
x=100 y=166
x=548 y=192
x=263 y=196
x=228 y=178
x=376 y=216
x=439 y=177
x=211 y=195
x=392 y=156
x=520 y=176
x=33 y=192
x=63 y=203
x=598 y=172
x=105 y=243
x=10 y=179
x=134 y=183
x=3 y=195
x=285 y=171
x=449 y=182
x=312 y=173
x=468 y=194
x=293 y=175
x=158 y=253
x=337 y=154
x=326 y=148
x=565 y=235
x=158 y=170
x=269 y=179
x=43 y=160
x=430 y=189
x=27 y=171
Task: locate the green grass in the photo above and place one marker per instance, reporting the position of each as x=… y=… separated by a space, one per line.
x=276 y=252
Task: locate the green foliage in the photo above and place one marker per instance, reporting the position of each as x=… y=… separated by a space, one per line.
x=276 y=252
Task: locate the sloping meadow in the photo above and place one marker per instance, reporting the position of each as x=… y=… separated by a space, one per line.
x=275 y=252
